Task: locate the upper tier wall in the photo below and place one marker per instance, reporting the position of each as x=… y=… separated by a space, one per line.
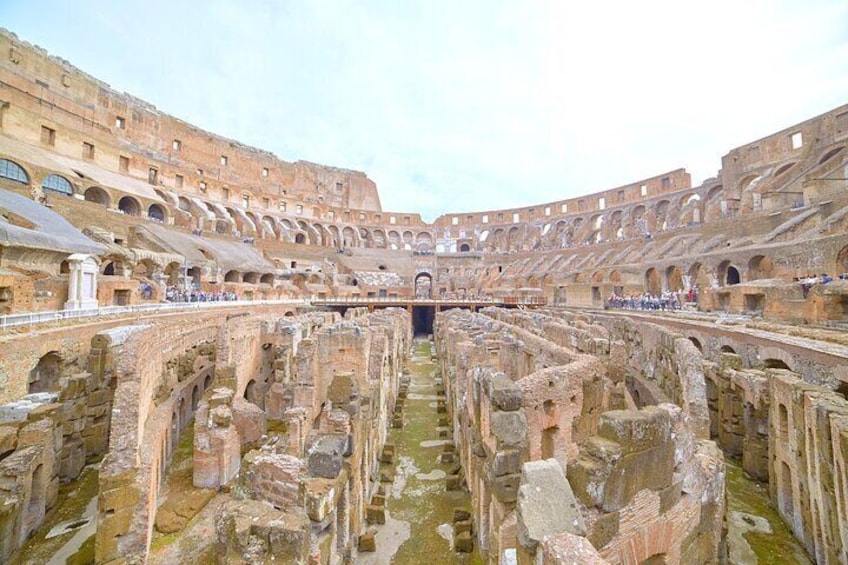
x=43 y=94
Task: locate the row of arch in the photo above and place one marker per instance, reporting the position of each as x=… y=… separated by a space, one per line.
x=641 y=220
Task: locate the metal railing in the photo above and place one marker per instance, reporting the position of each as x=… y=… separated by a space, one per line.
x=33 y=318
x=344 y=300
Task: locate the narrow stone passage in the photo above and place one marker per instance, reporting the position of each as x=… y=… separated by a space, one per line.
x=756 y=534
x=419 y=510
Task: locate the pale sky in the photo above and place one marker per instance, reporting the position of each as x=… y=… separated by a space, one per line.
x=454 y=106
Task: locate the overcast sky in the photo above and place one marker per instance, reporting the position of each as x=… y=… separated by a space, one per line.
x=467 y=105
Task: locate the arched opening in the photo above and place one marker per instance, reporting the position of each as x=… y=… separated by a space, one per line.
x=653 y=284
x=674 y=279
x=175 y=431
x=55 y=183
x=44 y=377
x=109 y=269
x=783 y=169
x=195 y=398
x=300 y=238
x=232 y=276
x=250 y=393
x=65 y=268
x=697 y=344
x=98 y=195
x=194 y=275
x=727 y=349
x=207 y=382
x=549 y=442
x=252 y=278
x=776 y=364
x=831 y=154
x=156 y=212
x=129 y=206
x=842 y=260
x=464 y=248
x=658 y=559
x=10 y=170
x=760 y=267
x=732 y=276
x=787 y=503
x=267 y=278
x=423 y=286
x=37 y=500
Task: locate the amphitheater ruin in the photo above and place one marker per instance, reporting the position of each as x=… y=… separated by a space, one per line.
x=212 y=355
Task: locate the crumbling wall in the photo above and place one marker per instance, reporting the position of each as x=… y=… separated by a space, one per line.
x=526 y=387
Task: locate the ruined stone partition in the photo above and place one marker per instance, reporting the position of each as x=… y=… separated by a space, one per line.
x=532 y=409
x=48 y=435
x=324 y=385
x=808 y=445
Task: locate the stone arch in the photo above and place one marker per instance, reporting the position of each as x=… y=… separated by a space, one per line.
x=251 y=394
x=842 y=260
x=300 y=237
x=783 y=169
x=335 y=236
x=378 y=238
x=423 y=285
x=348 y=237
x=129 y=206
x=232 y=276
x=512 y=238
x=653 y=281
x=773 y=363
x=464 y=248
x=674 y=278
x=156 y=212
x=698 y=276
x=45 y=376
x=728 y=275
x=173 y=271
x=251 y=278
x=760 y=267
x=662 y=220
x=831 y=154
x=267 y=278
x=98 y=195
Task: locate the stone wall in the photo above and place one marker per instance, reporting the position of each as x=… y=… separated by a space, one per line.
x=526 y=387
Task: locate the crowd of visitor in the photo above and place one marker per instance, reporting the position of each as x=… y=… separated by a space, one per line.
x=176 y=294
x=808 y=282
x=647 y=301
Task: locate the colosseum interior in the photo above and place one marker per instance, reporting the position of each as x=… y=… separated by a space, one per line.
x=212 y=355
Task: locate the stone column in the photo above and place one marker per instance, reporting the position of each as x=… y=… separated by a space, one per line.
x=82 y=286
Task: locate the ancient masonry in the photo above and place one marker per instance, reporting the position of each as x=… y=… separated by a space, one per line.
x=205 y=353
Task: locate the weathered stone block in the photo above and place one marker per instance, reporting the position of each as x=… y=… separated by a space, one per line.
x=510 y=428
x=325 y=455
x=375 y=514
x=367 y=542
x=504 y=393
x=546 y=504
x=505 y=488
x=604 y=529
x=463 y=543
